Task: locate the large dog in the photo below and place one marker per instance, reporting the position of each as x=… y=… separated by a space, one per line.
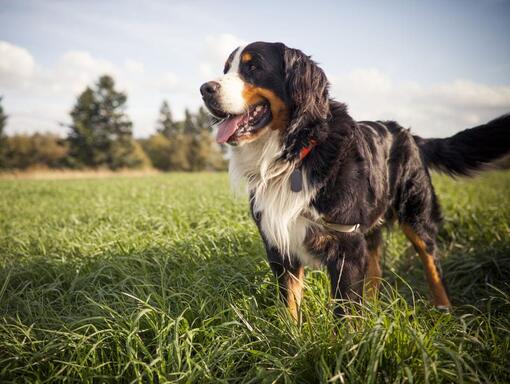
x=321 y=185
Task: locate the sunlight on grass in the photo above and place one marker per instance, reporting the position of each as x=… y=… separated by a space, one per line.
x=163 y=278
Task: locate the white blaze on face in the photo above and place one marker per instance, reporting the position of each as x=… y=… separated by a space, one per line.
x=231 y=98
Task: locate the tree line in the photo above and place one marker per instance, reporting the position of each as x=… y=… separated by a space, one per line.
x=101 y=136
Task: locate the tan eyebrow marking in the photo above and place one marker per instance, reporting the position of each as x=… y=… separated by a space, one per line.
x=246 y=57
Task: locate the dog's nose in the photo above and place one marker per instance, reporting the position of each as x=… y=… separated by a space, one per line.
x=209 y=88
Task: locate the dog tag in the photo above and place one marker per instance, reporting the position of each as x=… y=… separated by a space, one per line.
x=296 y=180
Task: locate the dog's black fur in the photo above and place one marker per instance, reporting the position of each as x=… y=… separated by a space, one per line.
x=363 y=171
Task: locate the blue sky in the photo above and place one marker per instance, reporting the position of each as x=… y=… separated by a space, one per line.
x=438 y=66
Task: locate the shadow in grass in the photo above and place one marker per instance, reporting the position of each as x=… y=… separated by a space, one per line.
x=202 y=309
x=202 y=278
x=473 y=277
x=121 y=312
x=181 y=277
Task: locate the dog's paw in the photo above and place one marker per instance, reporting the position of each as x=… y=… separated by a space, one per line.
x=444 y=308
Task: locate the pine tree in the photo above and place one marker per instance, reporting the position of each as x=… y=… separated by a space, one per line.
x=194 y=157
x=3 y=141
x=166 y=125
x=189 y=123
x=204 y=153
x=3 y=118
x=168 y=148
x=101 y=132
x=203 y=120
x=187 y=145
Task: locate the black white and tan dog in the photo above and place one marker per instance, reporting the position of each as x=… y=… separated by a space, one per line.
x=322 y=185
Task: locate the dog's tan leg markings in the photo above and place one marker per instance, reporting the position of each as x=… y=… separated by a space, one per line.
x=374 y=273
x=294 y=292
x=440 y=298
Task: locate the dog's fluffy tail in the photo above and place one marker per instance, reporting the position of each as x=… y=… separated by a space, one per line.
x=469 y=150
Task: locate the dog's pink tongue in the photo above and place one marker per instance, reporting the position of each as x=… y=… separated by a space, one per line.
x=227 y=128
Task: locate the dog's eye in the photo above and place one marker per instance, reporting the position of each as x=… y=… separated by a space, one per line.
x=253 y=68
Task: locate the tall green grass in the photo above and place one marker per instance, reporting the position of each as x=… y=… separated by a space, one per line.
x=163 y=279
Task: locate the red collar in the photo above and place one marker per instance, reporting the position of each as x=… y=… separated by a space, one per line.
x=306 y=150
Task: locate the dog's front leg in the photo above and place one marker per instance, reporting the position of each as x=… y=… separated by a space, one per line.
x=288 y=271
x=290 y=276
x=346 y=263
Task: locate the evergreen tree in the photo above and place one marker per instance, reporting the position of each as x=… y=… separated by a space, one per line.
x=195 y=157
x=3 y=119
x=166 y=125
x=185 y=145
x=204 y=153
x=179 y=153
x=189 y=123
x=157 y=147
x=3 y=142
x=101 y=132
x=203 y=120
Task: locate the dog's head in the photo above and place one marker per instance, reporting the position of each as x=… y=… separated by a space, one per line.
x=266 y=86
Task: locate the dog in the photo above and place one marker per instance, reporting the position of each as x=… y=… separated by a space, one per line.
x=322 y=185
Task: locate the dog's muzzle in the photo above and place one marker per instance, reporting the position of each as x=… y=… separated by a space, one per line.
x=210 y=91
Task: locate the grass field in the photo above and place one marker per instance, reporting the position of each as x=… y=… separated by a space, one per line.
x=163 y=279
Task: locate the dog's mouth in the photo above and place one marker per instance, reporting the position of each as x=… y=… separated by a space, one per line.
x=235 y=128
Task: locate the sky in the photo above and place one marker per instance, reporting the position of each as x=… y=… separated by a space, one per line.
x=435 y=66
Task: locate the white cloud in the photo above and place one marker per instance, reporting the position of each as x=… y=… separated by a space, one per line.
x=77 y=69
x=37 y=97
x=466 y=93
x=433 y=110
x=216 y=51
x=134 y=67
x=16 y=65
x=168 y=82
x=73 y=71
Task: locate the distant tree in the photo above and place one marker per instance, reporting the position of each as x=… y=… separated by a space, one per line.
x=179 y=153
x=166 y=124
x=3 y=122
x=3 y=118
x=101 y=132
x=203 y=120
x=18 y=152
x=217 y=159
x=134 y=157
x=168 y=149
x=49 y=150
x=204 y=153
x=157 y=147
x=168 y=154
x=40 y=150
x=185 y=145
x=196 y=153
x=189 y=123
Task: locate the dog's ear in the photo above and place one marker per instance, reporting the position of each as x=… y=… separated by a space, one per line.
x=307 y=87
x=307 y=91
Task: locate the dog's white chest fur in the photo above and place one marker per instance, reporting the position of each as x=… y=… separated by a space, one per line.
x=268 y=180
